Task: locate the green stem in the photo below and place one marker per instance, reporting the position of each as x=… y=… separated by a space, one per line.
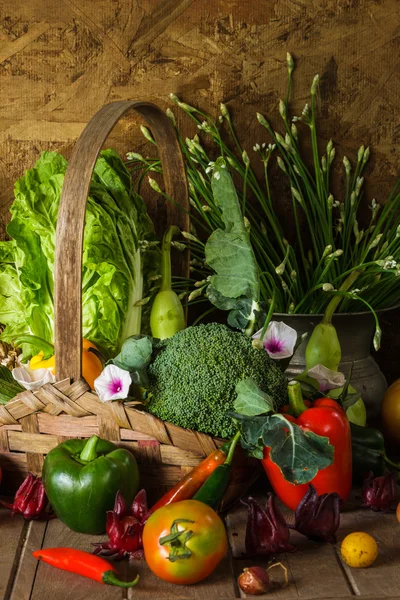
x=46 y=347
x=232 y=448
x=334 y=303
x=110 y=578
x=296 y=401
x=166 y=257
x=89 y=450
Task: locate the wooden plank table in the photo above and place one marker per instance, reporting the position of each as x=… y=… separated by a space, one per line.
x=315 y=570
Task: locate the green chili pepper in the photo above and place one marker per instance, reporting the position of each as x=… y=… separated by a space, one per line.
x=213 y=489
x=369 y=454
x=167 y=316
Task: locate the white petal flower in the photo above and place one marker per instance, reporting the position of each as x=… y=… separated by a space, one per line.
x=279 y=339
x=327 y=379
x=33 y=379
x=113 y=383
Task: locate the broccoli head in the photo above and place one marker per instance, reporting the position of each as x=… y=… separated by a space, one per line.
x=193 y=376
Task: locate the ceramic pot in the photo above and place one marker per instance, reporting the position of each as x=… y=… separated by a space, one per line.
x=355 y=332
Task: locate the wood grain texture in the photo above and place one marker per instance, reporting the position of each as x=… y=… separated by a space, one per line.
x=383 y=577
x=71 y=219
x=305 y=582
x=58 y=585
x=61 y=61
x=27 y=565
x=10 y=541
x=314 y=571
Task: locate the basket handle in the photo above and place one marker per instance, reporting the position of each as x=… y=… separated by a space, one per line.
x=71 y=219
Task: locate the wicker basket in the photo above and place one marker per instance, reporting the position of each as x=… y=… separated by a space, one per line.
x=35 y=422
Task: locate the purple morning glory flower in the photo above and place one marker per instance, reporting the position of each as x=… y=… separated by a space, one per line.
x=113 y=383
x=279 y=340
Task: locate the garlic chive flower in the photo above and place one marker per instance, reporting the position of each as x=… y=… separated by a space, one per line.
x=146 y=133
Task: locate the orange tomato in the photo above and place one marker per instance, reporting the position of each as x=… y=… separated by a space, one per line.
x=184 y=542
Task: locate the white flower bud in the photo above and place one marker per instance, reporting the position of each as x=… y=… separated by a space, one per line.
x=153 y=184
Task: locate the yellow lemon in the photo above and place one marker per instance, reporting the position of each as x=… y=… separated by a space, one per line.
x=359 y=550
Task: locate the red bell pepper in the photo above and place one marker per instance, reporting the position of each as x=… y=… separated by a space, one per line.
x=324 y=417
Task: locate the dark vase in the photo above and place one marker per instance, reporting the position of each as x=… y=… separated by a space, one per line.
x=355 y=332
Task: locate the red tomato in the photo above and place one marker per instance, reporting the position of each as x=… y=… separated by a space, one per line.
x=184 y=542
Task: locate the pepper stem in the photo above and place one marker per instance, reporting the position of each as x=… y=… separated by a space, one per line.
x=296 y=401
x=46 y=347
x=166 y=281
x=89 y=450
x=336 y=300
x=110 y=578
x=232 y=448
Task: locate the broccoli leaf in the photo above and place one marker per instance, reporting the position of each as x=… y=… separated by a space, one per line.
x=235 y=284
x=135 y=353
x=298 y=453
x=252 y=401
x=135 y=357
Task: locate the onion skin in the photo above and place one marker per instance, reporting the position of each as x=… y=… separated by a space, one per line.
x=254 y=581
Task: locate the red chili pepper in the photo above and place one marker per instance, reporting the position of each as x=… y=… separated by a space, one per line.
x=326 y=418
x=190 y=483
x=82 y=563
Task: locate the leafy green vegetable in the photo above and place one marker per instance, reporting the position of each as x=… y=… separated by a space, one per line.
x=252 y=401
x=8 y=386
x=135 y=356
x=235 y=285
x=116 y=226
x=299 y=454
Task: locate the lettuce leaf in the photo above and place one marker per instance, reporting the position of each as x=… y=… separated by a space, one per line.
x=116 y=225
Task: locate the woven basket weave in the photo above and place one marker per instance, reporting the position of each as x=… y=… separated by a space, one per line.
x=35 y=422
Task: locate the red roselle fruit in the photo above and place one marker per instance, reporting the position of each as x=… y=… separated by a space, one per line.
x=318 y=517
x=267 y=532
x=30 y=500
x=379 y=493
x=124 y=528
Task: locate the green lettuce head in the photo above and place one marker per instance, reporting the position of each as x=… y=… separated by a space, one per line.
x=117 y=272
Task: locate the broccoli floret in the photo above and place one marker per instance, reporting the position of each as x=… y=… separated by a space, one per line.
x=193 y=377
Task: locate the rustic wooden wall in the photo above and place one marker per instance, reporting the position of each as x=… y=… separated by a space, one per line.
x=61 y=60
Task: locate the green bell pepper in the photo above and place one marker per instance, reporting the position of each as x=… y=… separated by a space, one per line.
x=82 y=477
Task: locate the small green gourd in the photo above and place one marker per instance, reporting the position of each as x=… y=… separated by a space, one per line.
x=167 y=316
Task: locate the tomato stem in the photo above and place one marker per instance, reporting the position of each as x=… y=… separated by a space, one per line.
x=176 y=541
